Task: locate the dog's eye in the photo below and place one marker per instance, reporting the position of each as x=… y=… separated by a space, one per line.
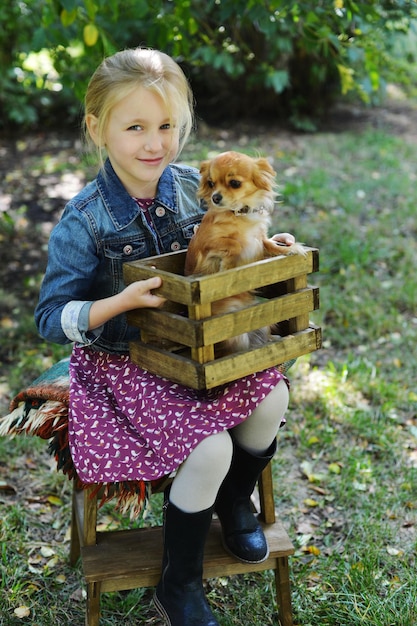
x=210 y=184
x=235 y=184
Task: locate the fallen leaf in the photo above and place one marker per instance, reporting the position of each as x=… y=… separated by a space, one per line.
x=305 y=527
x=78 y=595
x=334 y=468
x=310 y=502
x=52 y=563
x=318 y=489
x=408 y=524
x=313 y=578
x=54 y=500
x=312 y=550
x=22 y=611
x=7 y=489
x=394 y=551
x=307 y=469
x=47 y=552
x=35 y=559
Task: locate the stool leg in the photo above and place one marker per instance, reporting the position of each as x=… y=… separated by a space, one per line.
x=282 y=582
x=92 y=617
x=266 y=495
x=75 y=546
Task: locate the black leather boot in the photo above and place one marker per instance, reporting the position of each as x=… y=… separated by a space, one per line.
x=179 y=595
x=242 y=534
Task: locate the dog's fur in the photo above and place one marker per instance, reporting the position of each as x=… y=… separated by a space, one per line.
x=239 y=192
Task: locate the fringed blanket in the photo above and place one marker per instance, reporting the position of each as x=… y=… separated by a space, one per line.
x=42 y=410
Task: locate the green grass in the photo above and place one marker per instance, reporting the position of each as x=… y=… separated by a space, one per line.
x=346 y=468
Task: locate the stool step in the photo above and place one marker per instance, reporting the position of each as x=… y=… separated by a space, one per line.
x=132 y=558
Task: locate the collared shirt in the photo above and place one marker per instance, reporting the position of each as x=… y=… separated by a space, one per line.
x=100 y=229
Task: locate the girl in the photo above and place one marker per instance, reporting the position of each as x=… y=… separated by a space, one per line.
x=125 y=423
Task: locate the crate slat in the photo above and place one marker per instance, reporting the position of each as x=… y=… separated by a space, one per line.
x=191 y=290
x=180 y=368
x=180 y=329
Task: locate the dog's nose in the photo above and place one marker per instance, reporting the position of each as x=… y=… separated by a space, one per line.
x=217 y=198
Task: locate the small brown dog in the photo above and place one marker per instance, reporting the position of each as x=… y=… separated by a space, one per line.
x=239 y=192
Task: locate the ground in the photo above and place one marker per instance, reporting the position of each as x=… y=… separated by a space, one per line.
x=39 y=173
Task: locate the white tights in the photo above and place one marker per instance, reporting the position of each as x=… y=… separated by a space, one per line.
x=199 y=478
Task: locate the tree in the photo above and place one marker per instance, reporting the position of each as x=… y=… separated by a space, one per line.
x=280 y=57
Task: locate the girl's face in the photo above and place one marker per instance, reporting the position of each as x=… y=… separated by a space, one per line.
x=140 y=140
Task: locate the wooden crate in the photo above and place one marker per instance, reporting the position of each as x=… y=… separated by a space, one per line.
x=177 y=342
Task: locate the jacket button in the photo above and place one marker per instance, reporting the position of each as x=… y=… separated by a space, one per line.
x=175 y=246
x=127 y=250
x=160 y=211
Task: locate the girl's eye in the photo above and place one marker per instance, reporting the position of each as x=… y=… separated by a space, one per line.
x=166 y=126
x=235 y=184
x=135 y=127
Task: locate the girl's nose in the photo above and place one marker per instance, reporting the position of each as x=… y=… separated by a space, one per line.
x=153 y=142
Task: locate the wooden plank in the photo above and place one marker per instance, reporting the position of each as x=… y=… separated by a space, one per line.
x=174 y=287
x=242 y=364
x=205 y=352
x=300 y=321
x=172 y=262
x=192 y=333
x=184 y=370
x=266 y=496
x=89 y=517
x=132 y=558
x=283 y=590
x=168 y=325
x=261 y=314
x=254 y=276
x=75 y=530
x=168 y=365
x=204 y=289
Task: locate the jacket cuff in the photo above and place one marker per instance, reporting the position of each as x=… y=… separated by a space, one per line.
x=74 y=322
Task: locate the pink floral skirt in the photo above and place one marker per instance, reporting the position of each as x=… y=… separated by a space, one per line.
x=128 y=424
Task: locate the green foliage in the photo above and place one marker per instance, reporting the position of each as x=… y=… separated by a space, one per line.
x=281 y=57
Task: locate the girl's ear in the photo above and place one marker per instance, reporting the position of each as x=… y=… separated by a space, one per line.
x=92 y=127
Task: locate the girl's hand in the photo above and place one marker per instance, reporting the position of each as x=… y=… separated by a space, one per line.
x=139 y=294
x=285 y=239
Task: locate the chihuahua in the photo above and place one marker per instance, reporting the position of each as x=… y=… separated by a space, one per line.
x=239 y=192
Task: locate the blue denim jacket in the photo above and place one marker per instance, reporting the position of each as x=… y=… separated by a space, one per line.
x=100 y=229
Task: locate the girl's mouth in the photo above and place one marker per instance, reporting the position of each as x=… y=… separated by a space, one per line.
x=156 y=161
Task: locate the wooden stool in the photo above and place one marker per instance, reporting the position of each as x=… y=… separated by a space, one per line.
x=128 y=559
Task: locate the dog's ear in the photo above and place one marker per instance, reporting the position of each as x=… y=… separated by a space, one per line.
x=204 y=169
x=203 y=189
x=263 y=174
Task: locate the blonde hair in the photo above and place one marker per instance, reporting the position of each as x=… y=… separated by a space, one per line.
x=122 y=72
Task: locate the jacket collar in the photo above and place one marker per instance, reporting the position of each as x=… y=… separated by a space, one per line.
x=122 y=209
